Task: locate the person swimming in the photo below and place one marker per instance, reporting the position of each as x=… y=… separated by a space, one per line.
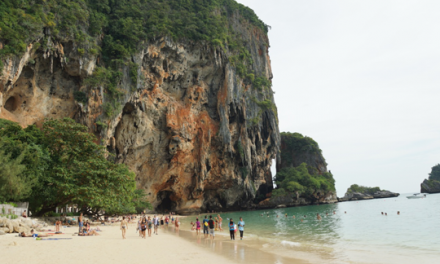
x=318 y=217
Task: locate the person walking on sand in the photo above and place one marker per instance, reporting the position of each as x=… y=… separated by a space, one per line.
x=144 y=228
x=149 y=225
x=205 y=227
x=124 y=227
x=80 y=222
x=232 y=229
x=220 y=220
x=241 y=227
x=197 y=226
x=156 y=224
x=177 y=223
x=211 y=225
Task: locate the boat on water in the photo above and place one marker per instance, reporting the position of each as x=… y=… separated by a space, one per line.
x=416 y=196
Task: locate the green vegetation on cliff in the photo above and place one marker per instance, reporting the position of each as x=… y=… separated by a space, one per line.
x=431 y=185
x=299 y=180
x=60 y=165
x=300 y=169
x=114 y=30
x=435 y=173
x=297 y=145
x=363 y=189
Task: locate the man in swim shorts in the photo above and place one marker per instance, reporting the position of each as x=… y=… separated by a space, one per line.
x=220 y=220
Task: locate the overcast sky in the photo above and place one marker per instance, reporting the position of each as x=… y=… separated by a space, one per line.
x=361 y=78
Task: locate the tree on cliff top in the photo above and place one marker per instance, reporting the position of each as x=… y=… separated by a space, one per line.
x=296 y=149
x=435 y=173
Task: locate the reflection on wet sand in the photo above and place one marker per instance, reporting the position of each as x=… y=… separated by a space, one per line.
x=239 y=251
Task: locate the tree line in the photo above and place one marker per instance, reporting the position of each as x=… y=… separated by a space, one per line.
x=61 y=164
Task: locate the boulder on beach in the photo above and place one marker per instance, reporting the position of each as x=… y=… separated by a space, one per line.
x=2 y=232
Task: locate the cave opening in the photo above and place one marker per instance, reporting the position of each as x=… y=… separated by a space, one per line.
x=11 y=104
x=166 y=205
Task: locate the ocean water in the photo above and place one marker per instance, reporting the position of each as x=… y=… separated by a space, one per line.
x=356 y=232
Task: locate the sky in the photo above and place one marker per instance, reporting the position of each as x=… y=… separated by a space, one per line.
x=361 y=78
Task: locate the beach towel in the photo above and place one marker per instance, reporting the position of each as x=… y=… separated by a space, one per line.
x=54 y=238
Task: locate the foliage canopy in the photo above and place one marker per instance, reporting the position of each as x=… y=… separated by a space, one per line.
x=363 y=189
x=299 y=180
x=61 y=164
x=435 y=173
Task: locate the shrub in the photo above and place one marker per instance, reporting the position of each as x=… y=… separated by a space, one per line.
x=80 y=97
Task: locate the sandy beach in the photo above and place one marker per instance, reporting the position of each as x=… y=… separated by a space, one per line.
x=108 y=247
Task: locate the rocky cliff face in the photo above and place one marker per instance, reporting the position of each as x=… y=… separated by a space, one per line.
x=355 y=196
x=296 y=150
x=190 y=128
x=430 y=186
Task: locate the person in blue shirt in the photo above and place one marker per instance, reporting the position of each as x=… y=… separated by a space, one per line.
x=241 y=227
x=232 y=229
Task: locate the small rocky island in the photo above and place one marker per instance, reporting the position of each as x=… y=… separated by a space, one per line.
x=432 y=184
x=356 y=192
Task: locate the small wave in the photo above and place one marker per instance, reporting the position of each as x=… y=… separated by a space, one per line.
x=290 y=243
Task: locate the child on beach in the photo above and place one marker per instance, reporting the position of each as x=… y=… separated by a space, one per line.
x=197 y=226
x=232 y=229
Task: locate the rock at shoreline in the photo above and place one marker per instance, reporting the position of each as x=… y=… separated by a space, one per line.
x=356 y=196
x=430 y=186
x=2 y=232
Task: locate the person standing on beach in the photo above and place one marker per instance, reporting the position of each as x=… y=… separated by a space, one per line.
x=144 y=228
x=211 y=225
x=149 y=225
x=205 y=227
x=80 y=222
x=220 y=220
x=241 y=227
x=197 y=226
x=124 y=227
x=156 y=224
x=232 y=229
x=177 y=224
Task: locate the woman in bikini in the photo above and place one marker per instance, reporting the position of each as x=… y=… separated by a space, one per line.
x=144 y=228
x=124 y=227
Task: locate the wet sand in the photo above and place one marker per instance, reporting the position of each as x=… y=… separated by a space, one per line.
x=167 y=247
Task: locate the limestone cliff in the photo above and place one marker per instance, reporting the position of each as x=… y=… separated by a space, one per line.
x=356 y=192
x=430 y=186
x=197 y=135
x=302 y=176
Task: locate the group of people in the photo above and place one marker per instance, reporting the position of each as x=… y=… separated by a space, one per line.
x=149 y=225
x=212 y=225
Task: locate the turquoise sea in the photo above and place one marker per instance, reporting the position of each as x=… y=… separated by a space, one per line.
x=356 y=232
